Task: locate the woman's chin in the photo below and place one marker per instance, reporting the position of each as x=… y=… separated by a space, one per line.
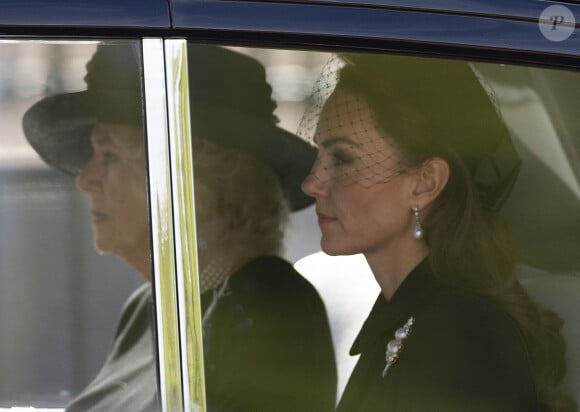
x=102 y=249
x=104 y=245
x=335 y=249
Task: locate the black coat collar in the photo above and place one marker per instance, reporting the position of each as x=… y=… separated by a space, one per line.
x=386 y=316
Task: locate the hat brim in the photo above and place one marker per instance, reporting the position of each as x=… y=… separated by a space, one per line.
x=59 y=127
x=290 y=157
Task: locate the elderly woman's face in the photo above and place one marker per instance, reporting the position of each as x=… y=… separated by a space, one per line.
x=114 y=179
x=363 y=195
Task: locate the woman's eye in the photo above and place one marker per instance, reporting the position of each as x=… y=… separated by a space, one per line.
x=340 y=158
x=108 y=157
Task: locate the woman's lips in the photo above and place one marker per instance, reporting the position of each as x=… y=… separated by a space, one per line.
x=98 y=216
x=324 y=219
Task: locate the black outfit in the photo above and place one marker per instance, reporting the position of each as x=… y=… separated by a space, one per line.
x=267 y=348
x=463 y=353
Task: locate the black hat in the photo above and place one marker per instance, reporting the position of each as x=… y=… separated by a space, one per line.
x=230 y=104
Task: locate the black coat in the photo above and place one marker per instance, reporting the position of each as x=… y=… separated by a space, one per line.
x=268 y=345
x=463 y=353
x=267 y=348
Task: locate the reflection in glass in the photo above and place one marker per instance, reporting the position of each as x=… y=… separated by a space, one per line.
x=71 y=294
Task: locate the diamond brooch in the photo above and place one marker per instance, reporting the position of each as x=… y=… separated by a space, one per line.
x=395 y=346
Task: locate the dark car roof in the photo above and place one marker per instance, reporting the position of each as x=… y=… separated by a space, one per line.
x=456 y=27
x=155 y=13
x=62 y=14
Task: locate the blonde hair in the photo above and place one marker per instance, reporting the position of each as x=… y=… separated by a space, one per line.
x=131 y=139
x=241 y=209
x=126 y=135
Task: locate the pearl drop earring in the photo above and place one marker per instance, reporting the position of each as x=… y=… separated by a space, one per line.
x=418 y=231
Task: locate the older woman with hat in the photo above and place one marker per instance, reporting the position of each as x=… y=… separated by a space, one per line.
x=267 y=341
x=413 y=165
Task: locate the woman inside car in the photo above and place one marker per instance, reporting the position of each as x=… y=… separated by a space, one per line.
x=267 y=344
x=414 y=163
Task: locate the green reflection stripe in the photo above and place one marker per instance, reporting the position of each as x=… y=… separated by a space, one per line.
x=185 y=229
x=164 y=274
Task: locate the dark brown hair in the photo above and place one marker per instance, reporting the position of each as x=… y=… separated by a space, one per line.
x=438 y=108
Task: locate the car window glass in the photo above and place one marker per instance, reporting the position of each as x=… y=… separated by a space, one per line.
x=537 y=107
x=60 y=296
x=61 y=301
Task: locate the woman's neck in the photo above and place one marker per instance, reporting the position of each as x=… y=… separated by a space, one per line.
x=140 y=260
x=391 y=269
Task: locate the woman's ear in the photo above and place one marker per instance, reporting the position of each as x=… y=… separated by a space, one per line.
x=432 y=176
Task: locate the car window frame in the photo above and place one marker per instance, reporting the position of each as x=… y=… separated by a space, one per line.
x=172 y=209
x=174 y=240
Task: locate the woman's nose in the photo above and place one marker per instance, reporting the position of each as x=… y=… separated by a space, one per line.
x=88 y=178
x=313 y=186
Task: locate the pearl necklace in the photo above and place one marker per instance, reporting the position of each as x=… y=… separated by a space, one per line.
x=212 y=275
x=395 y=346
